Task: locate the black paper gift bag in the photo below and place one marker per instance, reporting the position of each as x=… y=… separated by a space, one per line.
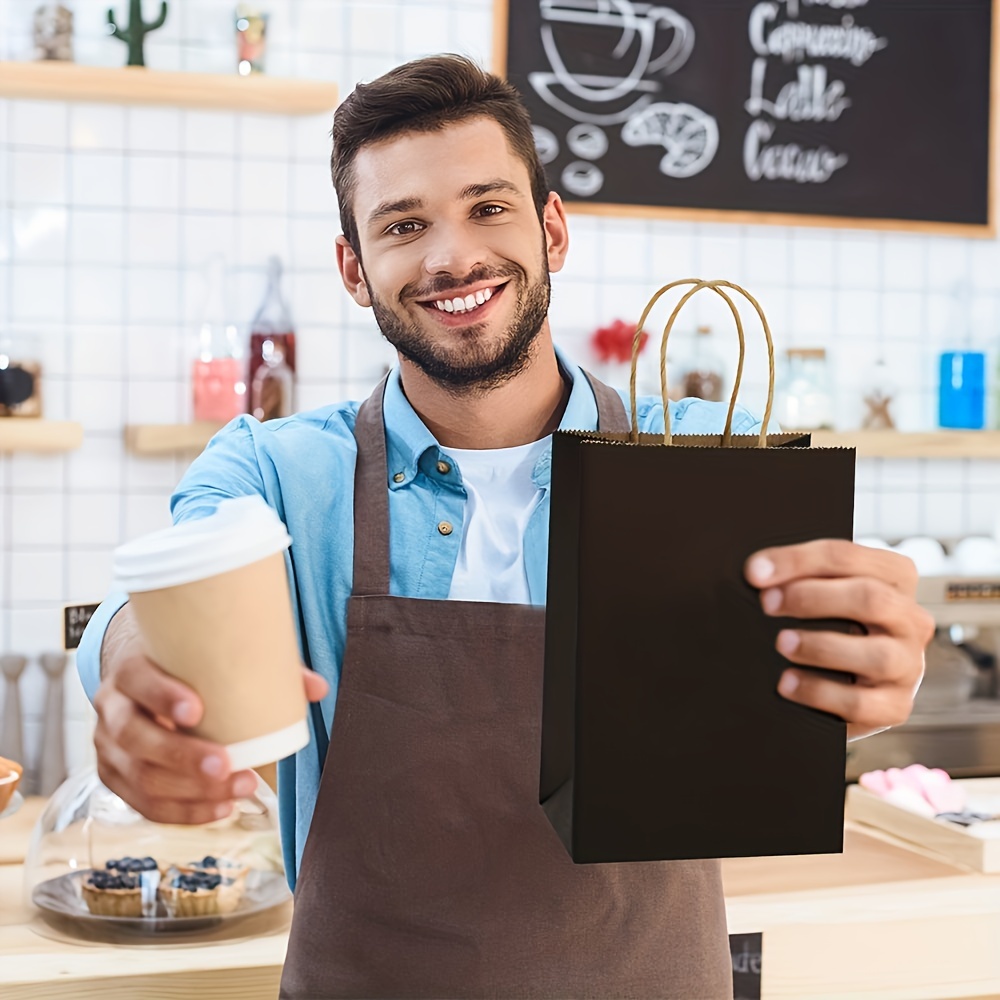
x=663 y=735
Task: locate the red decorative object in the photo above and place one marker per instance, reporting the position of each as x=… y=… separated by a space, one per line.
x=614 y=342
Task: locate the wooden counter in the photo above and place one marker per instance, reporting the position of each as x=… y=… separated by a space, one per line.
x=880 y=921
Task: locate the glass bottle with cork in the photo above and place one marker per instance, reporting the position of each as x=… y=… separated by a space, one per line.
x=217 y=377
x=703 y=375
x=272 y=352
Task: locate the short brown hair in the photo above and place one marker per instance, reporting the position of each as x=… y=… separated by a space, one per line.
x=424 y=96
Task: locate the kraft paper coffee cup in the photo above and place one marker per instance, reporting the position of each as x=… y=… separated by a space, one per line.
x=213 y=608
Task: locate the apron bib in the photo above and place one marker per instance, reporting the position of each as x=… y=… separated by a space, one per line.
x=430 y=869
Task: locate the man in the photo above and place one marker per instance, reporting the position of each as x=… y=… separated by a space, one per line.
x=424 y=864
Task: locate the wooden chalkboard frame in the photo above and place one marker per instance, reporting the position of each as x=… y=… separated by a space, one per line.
x=501 y=10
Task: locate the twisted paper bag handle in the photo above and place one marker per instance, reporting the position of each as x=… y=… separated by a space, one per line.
x=716 y=287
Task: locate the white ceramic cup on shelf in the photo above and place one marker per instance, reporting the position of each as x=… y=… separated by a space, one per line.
x=977 y=555
x=928 y=555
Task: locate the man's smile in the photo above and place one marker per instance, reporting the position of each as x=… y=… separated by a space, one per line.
x=468 y=305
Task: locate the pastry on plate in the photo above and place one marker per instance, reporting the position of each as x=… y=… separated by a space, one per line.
x=112 y=894
x=133 y=882
x=200 y=894
x=231 y=870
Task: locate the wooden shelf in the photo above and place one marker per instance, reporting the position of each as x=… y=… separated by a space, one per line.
x=29 y=434
x=57 y=81
x=161 y=439
x=166 y=439
x=893 y=444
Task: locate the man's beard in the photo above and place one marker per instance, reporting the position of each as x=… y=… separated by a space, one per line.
x=473 y=364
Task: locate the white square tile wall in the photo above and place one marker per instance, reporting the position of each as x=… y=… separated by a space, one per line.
x=107 y=215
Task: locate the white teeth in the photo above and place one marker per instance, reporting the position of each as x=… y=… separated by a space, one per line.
x=470 y=301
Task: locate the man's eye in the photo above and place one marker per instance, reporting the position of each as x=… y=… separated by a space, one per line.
x=403 y=228
x=492 y=210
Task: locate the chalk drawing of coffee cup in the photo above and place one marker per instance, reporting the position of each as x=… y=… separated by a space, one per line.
x=637 y=40
x=689 y=136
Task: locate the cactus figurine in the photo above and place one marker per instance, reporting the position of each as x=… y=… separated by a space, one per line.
x=135 y=34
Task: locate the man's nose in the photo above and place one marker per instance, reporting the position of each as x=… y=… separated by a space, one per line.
x=453 y=251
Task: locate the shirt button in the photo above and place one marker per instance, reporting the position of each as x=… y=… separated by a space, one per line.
x=399 y=477
x=445 y=528
x=444 y=468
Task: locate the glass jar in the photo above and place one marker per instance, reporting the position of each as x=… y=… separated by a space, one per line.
x=703 y=377
x=272 y=389
x=217 y=375
x=20 y=376
x=962 y=390
x=272 y=352
x=804 y=401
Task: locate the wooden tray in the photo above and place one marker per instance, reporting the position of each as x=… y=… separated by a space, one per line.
x=975 y=847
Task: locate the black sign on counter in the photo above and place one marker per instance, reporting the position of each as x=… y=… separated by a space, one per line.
x=746 y=951
x=851 y=112
x=75 y=618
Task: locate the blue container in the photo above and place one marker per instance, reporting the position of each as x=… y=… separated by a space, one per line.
x=962 y=391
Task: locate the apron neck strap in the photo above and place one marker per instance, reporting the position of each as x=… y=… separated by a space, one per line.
x=371 y=499
x=371 y=486
x=611 y=415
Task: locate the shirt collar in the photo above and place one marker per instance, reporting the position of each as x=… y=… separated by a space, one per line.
x=410 y=446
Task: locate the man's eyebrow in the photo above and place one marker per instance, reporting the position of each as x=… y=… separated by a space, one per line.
x=469 y=191
x=393 y=208
x=488 y=187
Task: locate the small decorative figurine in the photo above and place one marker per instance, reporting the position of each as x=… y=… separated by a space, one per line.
x=877 y=396
x=135 y=34
x=53 y=32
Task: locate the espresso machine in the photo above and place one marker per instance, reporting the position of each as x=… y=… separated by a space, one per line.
x=955 y=724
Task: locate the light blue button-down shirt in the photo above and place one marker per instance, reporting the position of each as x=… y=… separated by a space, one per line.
x=304 y=467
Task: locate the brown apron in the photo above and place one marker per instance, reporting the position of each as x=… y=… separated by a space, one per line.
x=430 y=870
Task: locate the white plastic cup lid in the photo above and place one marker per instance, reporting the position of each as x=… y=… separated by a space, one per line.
x=241 y=531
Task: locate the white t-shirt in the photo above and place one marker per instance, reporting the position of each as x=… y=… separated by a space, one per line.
x=501 y=499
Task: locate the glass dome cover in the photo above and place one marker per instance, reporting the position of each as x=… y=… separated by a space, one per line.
x=96 y=867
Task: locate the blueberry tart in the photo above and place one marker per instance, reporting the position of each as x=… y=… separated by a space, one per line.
x=200 y=894
x=230 y=870
x=113 y=894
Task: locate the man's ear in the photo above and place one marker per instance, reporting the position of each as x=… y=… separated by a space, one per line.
x=351 y=273
x=556 y=232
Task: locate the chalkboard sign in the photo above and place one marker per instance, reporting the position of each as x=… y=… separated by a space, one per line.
x=828 y=112
x=75 y=618
x=746 y=951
